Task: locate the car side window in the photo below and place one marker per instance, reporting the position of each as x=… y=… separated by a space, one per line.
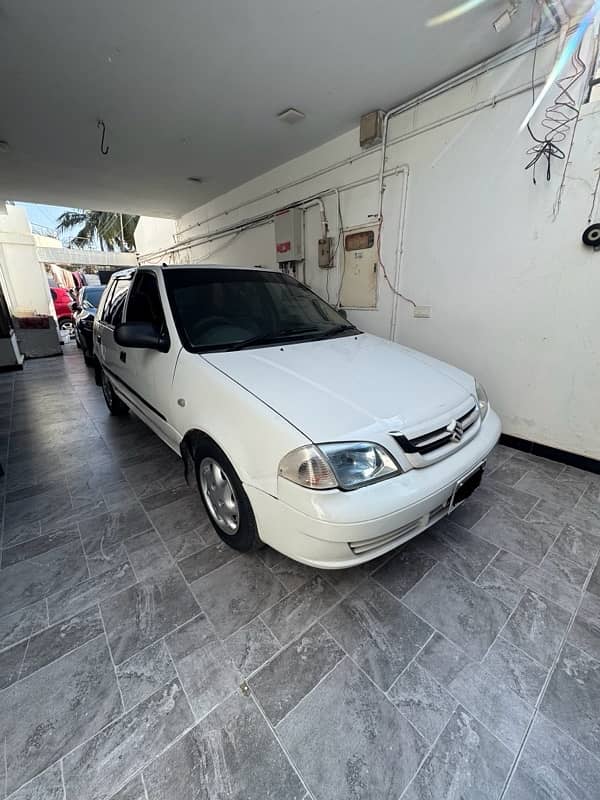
x=144 y=301
x=113 y=307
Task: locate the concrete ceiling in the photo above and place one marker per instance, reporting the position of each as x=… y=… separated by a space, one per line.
x=192 y=88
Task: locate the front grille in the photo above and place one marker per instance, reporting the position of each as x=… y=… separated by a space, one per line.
x=453 y=433
x=390 y=540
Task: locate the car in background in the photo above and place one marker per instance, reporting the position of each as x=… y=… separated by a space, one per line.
x=84 y=313
x=62 y=306
x=302 y=432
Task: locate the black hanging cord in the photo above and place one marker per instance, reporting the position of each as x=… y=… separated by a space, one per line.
x=103 y=148
x=557 y=119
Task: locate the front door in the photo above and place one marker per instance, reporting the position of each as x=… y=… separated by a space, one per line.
x=147 y=375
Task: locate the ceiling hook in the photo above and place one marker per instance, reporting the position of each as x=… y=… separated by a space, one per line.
x=103 y=148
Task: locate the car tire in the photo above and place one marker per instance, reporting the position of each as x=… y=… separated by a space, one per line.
x=224 y=498
x=114 y=404
x=66 y=324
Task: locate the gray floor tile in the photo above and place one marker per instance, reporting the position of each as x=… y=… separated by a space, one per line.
x=11 y=664
x=144 y=673
x=515 y=669
x=206 y=560
x=29 y=581
x=55 y=642
x=39 y=725
x=537 y=626
x=38 y=546
x=564 y=493
x=46 y=786
x=585 y=633
x=251 y=646
x=511 y=471
x=539 y=580
x=494 y=704
x=288 y=618
x=345 y=581
x=563 y=569
x=473 y=509
x=237 y=593
x=22 y=624
x=456 y=547
x=145 y=612
x=577 y=546
x=423 y=701
x=572 y=698
x=462 y=611
x=442 y=659
x=107 y=762
x=285 y=680
x=467 y=762
x=134 y=790
x=594 y=584
x=103 y=558
x=377 y=753
x=207 y=673
x=181 y=516
x=527 y=540
x=231 y=754
x=403 y=571
x=500 y=586
x=73 y=600
x=147 y=554
x=377 y=631
x=554 y=767
x=510 y=564
x=293 y=574
x=496 y=493
x=112 y=528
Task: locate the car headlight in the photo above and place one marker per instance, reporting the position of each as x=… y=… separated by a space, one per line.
x=482 y=399
x=347 y=465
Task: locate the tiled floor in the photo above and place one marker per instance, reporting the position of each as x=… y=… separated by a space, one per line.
x=141 y=659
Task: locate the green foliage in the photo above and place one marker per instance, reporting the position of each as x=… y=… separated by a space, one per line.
x=99 y=228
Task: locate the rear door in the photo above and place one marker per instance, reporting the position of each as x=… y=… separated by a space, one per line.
x=110 y=316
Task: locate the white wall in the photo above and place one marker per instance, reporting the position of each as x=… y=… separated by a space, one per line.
x=515 y=295
x=153 y=233
x=21 y=274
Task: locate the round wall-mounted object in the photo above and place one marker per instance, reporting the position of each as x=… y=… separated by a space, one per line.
x=591 y=235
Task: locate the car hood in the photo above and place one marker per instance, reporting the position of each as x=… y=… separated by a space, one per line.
x=340 y=388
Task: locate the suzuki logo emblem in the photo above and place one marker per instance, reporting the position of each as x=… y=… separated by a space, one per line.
x=456 y=430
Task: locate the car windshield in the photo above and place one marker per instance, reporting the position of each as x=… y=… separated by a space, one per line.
x=92 y=295
x=220 y=309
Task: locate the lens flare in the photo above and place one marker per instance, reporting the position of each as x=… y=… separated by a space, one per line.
x=562 y=61
x=454 y=13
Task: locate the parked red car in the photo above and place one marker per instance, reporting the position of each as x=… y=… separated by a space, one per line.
x=62 y=305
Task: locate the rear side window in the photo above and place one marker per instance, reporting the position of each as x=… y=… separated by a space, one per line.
x=113 y=307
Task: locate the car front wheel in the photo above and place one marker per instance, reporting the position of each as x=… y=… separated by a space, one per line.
x=224 y=499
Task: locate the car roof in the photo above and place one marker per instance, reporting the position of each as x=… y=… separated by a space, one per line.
x=128 y=273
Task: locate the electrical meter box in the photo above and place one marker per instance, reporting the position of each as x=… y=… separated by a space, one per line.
x=361 y=262
x=289 y=235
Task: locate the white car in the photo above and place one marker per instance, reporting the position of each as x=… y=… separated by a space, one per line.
x=331 y=445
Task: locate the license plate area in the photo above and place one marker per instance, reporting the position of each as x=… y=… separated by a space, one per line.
x=466 y=486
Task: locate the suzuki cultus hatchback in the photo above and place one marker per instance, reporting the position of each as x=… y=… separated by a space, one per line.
x=331 y=445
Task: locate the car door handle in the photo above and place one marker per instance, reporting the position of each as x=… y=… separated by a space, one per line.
x=99 y=339
x=123 y=356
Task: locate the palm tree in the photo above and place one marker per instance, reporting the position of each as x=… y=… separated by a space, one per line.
x=112 y=231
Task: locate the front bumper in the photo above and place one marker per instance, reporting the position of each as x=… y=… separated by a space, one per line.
x=336 y=530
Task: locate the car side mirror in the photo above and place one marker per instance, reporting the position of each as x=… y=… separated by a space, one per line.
x=342 y=312
x=142 y=335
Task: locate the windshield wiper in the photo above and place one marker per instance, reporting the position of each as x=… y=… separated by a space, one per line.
x=338 y=329
x=267 y=338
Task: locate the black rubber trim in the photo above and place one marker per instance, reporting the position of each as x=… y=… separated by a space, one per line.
x=552 y=453
x=133 y=392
